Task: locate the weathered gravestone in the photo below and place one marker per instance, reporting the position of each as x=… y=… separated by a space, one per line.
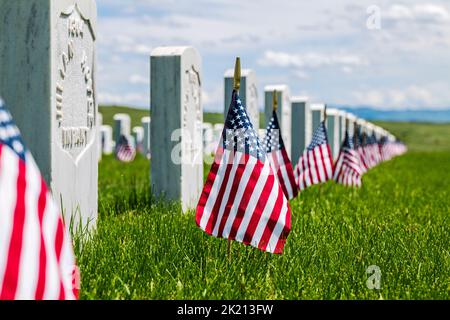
x=301 y=126
x=351 y=118
x=99 y=136
x=106 y=135
x=317 y=114
x=248 y=93
x=146 y=123
x=342 y=124
x=284 y=112
x=333 y=129
x=138 y=134
x=47 y=78
x=208 y=139
x=122 y=126
x=176 y=131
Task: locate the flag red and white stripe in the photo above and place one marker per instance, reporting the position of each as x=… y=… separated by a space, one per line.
x=242 y=199
x=279 y=159
x=36 y=256
x=315 y=166
x=347 y=170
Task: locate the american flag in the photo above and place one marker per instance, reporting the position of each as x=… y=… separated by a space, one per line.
x=36 y=256
x=125 y=151
x=391 y=149
x=316 y=164
x=372 y=151
x=347 y=170
x=360 y=147
x=279 y=159
x=242 y=199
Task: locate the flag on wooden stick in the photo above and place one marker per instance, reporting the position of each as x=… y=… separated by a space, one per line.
x=242 y=199
x=36 y=256
x=279 y=159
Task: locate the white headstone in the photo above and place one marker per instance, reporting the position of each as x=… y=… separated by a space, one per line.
x=106 y=134
x=317 y=114
x=248 y=93
x=342 y=125
x=99 y=136
x=301 y=126
x=122 y=126
x=333 y=129
x=284 y=112
x=146 y=122
x=351 y=123
x=47 y=78
x=176 y=131
x=138 y=134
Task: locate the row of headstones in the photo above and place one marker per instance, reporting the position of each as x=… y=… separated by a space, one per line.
x=138 y=137
x=176 y=102
x=48 y=79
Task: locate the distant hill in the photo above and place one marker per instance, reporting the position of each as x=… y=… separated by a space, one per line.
x=438 y=116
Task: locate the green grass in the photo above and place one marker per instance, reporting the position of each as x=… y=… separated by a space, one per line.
x=399 y=221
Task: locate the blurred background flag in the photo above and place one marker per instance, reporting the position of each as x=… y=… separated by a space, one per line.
x=360 y=145
x=279 y=159
x=315 y=166
x=347 y=170
x=242 y=199
x=36 y=255
x=125 y=151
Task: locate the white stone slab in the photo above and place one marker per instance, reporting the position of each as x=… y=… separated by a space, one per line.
x=138 y=134
x=248 y=93
x=106 y=134
x=301 y=126
x=122 y=125
x=284 y=112
x=146 y=123
x=333 y=129
x=342 y=125
x=48 y=79
x=176 y=131
x=317 y=114
x=99 y=136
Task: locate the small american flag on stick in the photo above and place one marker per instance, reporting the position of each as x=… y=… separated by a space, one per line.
x=315 y=166
x=278 y=157
x=242 y=199
x=125 y=152
x=347 y=170
x=36 y=256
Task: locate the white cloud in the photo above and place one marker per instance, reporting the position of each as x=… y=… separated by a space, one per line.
x=410 y=97
x=139 y=79
x=310 y=60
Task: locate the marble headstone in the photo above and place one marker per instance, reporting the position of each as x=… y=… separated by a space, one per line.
x=301 y=126
x=138 y=134
x=122 y=126
x=106 y=134
x=146 y=123
x=248 y=93
x=99 y=136
x=48 y=80
x=317 y=114
x=333 y=128
x=176 y=130
x=284 y=112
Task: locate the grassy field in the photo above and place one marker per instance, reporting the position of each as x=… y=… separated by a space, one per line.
x=399 y=221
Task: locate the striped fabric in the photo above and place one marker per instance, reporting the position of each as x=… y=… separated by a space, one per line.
x=242 y=199
x=315 y=166
x=279 y=159
x=36 y=257
x=347 y=170
x=125 y=152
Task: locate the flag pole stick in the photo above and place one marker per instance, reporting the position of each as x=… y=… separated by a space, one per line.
x=236 y=87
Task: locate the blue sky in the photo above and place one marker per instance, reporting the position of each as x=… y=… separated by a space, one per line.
x=322 y=49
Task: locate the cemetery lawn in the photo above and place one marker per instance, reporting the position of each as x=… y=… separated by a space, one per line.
x=398 y=221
